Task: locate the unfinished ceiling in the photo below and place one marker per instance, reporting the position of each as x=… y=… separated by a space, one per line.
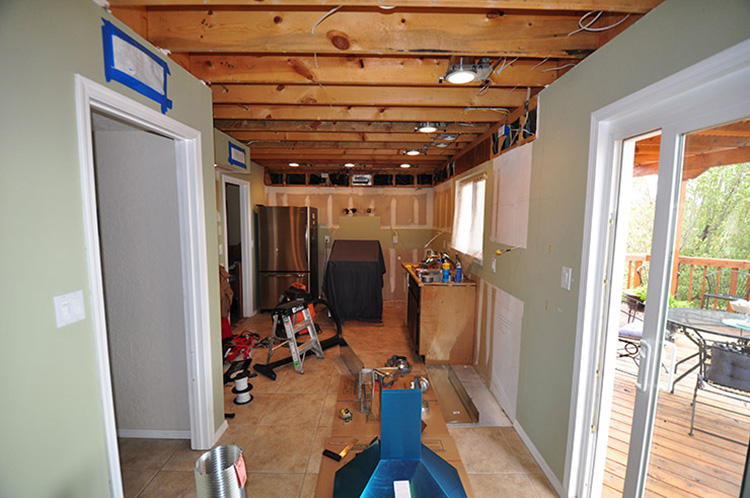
x=325 y=83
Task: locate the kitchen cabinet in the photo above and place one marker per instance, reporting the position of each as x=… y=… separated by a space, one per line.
x=440 y=319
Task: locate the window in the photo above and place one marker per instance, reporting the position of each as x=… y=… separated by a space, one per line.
x=468 y=217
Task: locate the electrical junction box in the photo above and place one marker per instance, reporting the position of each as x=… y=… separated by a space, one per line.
x=362 y=180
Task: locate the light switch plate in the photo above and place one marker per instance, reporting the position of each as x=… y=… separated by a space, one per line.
x=69 y=308
x=567 y=275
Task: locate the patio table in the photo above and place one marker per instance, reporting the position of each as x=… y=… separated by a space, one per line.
x=696 y=324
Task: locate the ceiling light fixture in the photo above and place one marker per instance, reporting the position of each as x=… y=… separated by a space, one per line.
x=293 y=165
x=427 y=128
x=412 y=152
x=349 y=165
x=462 y=73
x=405 y=165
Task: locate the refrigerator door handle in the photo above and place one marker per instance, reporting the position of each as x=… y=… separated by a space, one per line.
x=283 y=275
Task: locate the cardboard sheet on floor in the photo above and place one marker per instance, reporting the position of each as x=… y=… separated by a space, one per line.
x=368 y=424
x=349 y=388
x=443 y=445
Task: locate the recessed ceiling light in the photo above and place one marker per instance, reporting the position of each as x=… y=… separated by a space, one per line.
x=442 y=144
x=293 y=165
x=406 y=165
x=412 y=152
x=387 y=7
x=427 y=128
x=460 y=74
x=349 y=165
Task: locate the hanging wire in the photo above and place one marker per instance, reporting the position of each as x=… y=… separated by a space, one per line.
x=572 y=64
x=325 y=16
x=597 y=15
x=312 y=31
x=543 y=61
x=502 y=110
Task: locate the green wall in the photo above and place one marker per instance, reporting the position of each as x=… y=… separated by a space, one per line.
x=51 y=417
x=672 y=37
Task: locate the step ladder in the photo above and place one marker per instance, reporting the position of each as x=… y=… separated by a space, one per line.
x=284 y=314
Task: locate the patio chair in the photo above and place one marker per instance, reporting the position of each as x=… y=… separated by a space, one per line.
x=630 y=335
x=735 y=282
x=724 y=370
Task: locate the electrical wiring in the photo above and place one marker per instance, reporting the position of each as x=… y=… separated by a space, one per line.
x=312 y=31
x=597 y=15
x=502 y=110
x=572 y=64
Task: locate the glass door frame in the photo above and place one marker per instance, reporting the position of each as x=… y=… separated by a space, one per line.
x=709 y=93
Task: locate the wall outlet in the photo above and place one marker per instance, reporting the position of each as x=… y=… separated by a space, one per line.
x=395 y=240
x=566 y=277
x=69 y=308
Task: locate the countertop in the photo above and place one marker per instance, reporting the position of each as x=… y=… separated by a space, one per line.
x=410 y=267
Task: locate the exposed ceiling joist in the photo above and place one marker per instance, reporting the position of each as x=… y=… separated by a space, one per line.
x=325 y=81
x=343 y=70
x=343 y=126
x=475 y=33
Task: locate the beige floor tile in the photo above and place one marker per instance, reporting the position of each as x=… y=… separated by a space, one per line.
x=280 y=449
x=134 y=480
x=542 y=485
x=261 y=383
x=315 y=379
x=485 y=450
x=502 y=485
x=183 y=459
x=520 y=451
x=238 y=435
x=316 y=451
x=250 y=413
x=171 y=484
x=301 y=409
x=328 y=413
x=308 y=486
x=145 y=454
x=273 y=485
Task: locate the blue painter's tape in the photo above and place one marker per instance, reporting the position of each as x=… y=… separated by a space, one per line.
x=109 y=32
x=242 y=164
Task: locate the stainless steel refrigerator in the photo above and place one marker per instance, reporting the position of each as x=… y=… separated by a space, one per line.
x=287 y=240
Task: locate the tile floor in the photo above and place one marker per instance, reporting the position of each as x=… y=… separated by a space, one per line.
x=283 y=429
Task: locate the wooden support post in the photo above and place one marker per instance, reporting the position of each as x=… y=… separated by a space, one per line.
x=678 y=239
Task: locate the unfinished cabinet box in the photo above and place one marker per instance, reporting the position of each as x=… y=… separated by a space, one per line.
x=440 y=319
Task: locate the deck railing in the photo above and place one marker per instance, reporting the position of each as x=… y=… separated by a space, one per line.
x=692 y=283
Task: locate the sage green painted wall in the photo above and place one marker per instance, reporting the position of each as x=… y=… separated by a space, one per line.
x=673 y=36
x=51 y=417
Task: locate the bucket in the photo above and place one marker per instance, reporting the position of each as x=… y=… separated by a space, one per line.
x=220 y=473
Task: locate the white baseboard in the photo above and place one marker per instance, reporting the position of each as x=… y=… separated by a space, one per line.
x=222 y=428
x=559 y=488
x=153 y=434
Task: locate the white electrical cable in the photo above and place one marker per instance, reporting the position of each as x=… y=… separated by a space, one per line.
x=572 y=64
x=325 y=16
x=597 y=15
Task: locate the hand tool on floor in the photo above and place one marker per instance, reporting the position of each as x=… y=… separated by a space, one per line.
x=341 y=454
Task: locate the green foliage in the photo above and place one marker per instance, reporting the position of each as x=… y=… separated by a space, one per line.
x=717 y=214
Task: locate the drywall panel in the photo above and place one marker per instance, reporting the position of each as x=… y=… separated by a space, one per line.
x=511 y=182
x=140 y=244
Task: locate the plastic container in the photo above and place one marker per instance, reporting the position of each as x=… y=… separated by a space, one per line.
x=459 y=273
x=220 y=473
x=446 y=272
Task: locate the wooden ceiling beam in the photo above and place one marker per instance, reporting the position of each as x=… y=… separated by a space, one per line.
x=357 y=95
x=450 y=148
x=696 y=164
x=416 y=138
x=342 y=70
x=429 y=32
x=231 y=125
x=357 y=113
x=305 y=155
x=635 y=6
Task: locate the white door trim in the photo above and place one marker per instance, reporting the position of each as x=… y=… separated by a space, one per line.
x=248 y=297
x=661 y=105
x=91 y=95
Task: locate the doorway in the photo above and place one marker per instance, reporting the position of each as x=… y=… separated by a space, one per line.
x=92 y=97
x=712 y=92
x=237 y=244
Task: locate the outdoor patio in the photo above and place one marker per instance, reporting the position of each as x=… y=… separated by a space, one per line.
x=680 y=465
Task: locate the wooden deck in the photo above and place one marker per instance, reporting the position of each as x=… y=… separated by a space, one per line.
x=681 y=465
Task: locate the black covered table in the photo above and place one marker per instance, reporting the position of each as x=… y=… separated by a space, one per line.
x=353 y=281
